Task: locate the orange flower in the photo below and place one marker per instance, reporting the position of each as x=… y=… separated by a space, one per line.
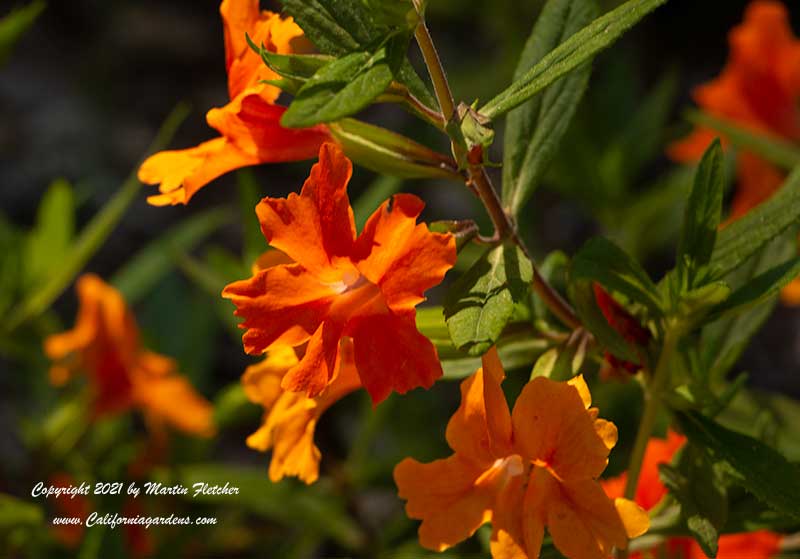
x=249 y=126
x=105 y=345
x=649 y=492
x=759 y=88
x=521 y=471
x=291 y=417
x=341 y=287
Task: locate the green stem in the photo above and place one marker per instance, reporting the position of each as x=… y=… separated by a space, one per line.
x=440 y=84
x=652 y=404
x=482 y=184
x=94 y=234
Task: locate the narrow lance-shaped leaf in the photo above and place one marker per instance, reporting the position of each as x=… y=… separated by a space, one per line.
x=702 y=216
x=579 y=48
x=755 y=466
x=535 y=129
x=780 y=152
x=602 y=261
x=724 y=340
x=15 y=24
x=49 y=240
x=760 y=288
x=750 y=233
x=481 y=302
x=582 y=296
x=697 y=485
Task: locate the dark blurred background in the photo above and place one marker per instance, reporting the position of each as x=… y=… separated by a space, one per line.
x=88 y=86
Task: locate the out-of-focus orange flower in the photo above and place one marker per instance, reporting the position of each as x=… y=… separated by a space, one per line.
x=343 y=287
x=521 y=471
x=291 y=417
x=249 y=125
x=627 y=326
x=759 y=89
x=649 y=492
x=105 y=345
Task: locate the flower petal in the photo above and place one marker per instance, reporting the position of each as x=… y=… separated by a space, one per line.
x=291 y=420
x=317 y=367
x=282 y=305
x=262 y=381
x=181 y=173
x=402 y=257
x=173 y=399
x=481 y=427
x=391 y=354
x=552 y=426
x=447 y=496
x=317 y=226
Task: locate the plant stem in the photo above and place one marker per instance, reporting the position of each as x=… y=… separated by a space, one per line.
x=652 y=401
x=482 y=184
x=440 y=84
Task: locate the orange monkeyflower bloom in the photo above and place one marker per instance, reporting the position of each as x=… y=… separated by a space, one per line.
x=291 y=417
x=523 y=471
x=759 y=89
x=344 y=287
x=761 y=544
x=249 y=125
x=105 y=345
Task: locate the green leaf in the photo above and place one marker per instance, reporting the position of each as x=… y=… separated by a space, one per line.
x=582 y=296
x=724 y=341
x=698 y=487
x=343 y=87
x=755 y=466
x=602 y=261
x=571 y=54
x=702 y=215
x=93 y=235
x=535 y=129
x=312 y=509
x=340 y=27
x=294 y=66
x=760 y=288
x=782 y=153
x=49 y=240
x=15 y=24
x=745 y=236
x=144 y=270
x=481 y=302
x=335 y=26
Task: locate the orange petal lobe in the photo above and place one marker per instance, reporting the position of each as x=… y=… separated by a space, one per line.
x=316 y=226
x=449 y=497
x=552 y=427
x=402 y=257
x=481 y=427
x=391 y=354
x=282 y=305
